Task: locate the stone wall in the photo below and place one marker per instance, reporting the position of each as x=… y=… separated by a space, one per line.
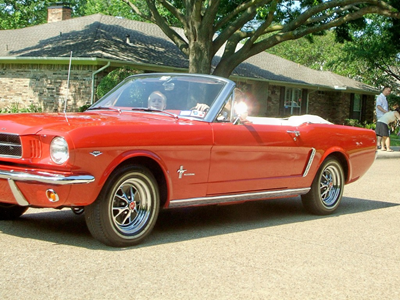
x=45 y=86
x=273 y=101
x=332 y=106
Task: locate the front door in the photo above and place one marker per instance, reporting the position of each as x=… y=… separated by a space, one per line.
x=251 y=157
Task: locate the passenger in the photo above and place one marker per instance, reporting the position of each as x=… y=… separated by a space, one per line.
x=157 y=100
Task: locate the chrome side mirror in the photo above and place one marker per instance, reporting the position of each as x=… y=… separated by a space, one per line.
x=241 y=111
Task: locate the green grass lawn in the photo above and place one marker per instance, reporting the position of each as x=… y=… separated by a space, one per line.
x=394 y=140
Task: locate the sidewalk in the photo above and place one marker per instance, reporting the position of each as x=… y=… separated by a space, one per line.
x=394 y=154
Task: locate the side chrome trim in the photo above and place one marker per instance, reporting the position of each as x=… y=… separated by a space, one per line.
x=310 y=161
x=236 y=197
x=46 y=177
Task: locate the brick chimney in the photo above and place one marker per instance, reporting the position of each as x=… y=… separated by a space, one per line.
x=58 y=11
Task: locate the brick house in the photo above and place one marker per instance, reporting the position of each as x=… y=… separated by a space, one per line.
x=34 y=65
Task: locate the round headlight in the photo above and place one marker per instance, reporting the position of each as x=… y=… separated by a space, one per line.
x=59 y=150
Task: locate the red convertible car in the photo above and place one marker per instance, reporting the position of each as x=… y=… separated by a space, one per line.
x=171 y=140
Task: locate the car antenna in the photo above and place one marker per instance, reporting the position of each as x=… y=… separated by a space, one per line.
x=69 y=72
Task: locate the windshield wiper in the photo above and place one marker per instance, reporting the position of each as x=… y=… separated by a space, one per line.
x=104 y=107
x=156 y=110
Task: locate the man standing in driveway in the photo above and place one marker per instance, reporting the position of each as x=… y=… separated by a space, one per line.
x=382 y=107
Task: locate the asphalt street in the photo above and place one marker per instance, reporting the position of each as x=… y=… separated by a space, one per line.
x=258 y=250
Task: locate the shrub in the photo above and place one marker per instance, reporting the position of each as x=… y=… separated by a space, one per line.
x=357 y=123
x=83 y=108
x=353 y=122
x=370 y=126
x=112 y=79
x=14 y=108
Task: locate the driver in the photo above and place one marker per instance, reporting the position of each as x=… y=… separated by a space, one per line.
x=157 y=100
x=201 y=107
x=239 y=101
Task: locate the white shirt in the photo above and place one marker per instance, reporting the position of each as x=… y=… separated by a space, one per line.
x=388 y=118
x=381 y=101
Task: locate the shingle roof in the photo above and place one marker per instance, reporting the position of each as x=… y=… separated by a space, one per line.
x=94 y=36
x=271 y=67
x=104 y=37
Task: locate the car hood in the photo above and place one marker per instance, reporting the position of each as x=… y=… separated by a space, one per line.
x=27 y=123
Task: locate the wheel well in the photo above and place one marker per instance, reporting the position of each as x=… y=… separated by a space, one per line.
x=343 y=162
x=156 y=170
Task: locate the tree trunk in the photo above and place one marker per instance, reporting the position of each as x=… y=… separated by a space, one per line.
x=223 y=70
x=226 y=65
x=200 y=57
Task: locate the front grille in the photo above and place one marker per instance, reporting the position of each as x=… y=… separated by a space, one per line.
x=10 y=145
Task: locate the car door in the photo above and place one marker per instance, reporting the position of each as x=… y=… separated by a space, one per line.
x=256 y=157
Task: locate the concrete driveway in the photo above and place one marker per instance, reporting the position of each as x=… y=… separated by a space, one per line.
x=259 y=250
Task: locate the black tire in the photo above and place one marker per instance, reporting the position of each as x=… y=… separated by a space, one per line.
x=326 y=190
x=127 y=208
x=11 y=211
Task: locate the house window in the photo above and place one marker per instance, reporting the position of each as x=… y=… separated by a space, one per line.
x=292 y=104
x=356 y=107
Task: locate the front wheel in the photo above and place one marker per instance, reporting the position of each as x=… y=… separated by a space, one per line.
x=11 y=211
x=127 y=208
x=326 y=190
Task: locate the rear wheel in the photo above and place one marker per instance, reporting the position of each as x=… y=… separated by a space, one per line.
x=127 y=208
x=11 y=211
x=326 y=190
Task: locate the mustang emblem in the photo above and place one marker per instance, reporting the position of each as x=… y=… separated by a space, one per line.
x=181 y=172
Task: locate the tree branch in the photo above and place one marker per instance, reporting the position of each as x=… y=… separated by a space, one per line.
x=243 y=7
x=162 y=23
x=308 y=16
x=211 y=12
x=136 y=10
x=177 y=14
x=297 y=32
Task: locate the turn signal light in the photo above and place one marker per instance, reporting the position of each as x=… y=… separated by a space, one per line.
x=52 y=195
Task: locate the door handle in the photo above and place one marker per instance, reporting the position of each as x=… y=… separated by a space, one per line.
x=296 y=133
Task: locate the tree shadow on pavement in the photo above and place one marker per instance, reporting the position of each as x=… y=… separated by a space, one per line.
x=177 y=225
x=191 y=223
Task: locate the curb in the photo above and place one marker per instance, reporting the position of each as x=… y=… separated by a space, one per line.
x=385 y=155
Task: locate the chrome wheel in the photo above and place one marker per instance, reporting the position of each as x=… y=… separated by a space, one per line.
x=131 y=206
x=126 y=210
x=330 y=185
x=326 y=190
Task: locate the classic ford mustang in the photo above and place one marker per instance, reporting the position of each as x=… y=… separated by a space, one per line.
x=171 y=140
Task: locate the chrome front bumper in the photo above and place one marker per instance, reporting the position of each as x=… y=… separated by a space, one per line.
x=46 y=177
x=41 y=177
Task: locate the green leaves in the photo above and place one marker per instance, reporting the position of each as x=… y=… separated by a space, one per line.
x=22 y=13
x=112 y=79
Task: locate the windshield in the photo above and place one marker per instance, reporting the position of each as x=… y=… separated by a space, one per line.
x=181 y=94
